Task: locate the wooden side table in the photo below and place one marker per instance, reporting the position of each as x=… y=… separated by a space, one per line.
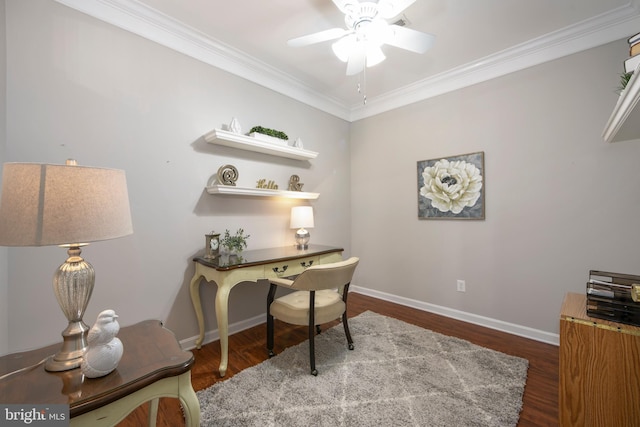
x=599 y=369
x=153 y=365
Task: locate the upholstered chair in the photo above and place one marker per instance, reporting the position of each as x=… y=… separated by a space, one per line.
x=324 y=287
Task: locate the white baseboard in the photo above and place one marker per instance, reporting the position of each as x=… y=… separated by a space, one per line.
x=214 y=335
x=511 y=328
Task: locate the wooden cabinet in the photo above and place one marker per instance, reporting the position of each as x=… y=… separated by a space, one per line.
x=599 y=369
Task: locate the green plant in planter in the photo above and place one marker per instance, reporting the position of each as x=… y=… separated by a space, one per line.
x=624 y=79
x=270 y=132
x=235 y=243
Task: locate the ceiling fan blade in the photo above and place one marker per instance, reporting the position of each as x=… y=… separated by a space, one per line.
x=408 y=39
x=390 y=8
x=356 y=61
x=319 y=37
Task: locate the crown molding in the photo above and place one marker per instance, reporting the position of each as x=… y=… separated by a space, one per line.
x=136 y=17
x=614 y=25
x=140 y=19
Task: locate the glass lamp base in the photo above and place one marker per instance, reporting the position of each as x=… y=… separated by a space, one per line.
x=73 y=347
x=302 y=239
x=72 y=284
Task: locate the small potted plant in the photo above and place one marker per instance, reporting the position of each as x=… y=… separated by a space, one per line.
x=234 y=244
x=270 y=135
x=624 y=80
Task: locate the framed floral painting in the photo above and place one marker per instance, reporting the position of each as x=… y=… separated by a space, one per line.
x=451 y=187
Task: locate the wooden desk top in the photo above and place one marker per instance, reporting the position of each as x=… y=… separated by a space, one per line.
x=574 y=309
x=264 y=256
x=151 y=353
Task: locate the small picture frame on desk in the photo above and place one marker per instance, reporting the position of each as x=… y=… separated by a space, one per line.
x=212 y=246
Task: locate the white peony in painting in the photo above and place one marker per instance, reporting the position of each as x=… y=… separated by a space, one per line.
x=451 y=187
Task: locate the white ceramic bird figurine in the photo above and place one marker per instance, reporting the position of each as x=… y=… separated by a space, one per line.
x=104 y=349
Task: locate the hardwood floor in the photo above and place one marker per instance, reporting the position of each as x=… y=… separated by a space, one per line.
x=247 y=348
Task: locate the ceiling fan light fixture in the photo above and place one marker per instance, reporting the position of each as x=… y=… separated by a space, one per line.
x=344 y=47
x=367 y=29
x=374 y=55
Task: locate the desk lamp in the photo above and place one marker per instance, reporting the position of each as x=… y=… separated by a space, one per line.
x=301 y=217
x=69 y=206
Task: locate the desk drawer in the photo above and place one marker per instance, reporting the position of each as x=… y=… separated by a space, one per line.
x=291 y=267
x=297 y=266
x=329 y=258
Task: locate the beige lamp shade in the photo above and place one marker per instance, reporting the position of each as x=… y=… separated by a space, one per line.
x=301 y=217
x=43 y=204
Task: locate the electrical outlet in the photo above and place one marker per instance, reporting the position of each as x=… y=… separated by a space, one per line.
x=462 y=287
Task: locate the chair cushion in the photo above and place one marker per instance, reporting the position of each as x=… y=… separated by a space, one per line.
x=294 y=307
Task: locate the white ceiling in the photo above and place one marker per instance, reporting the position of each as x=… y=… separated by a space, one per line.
x=476 y=41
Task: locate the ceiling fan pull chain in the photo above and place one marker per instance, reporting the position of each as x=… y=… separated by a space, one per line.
x=364 y=95
x=364 y=86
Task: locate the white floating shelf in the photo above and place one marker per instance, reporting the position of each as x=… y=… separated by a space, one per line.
x=624 y=123
x=247 y=143
x=260 y=192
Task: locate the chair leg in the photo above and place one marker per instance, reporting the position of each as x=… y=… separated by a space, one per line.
x=346 y=330
x=345 y=323
x=270 y=297
x=312 y=352
x=318 y=330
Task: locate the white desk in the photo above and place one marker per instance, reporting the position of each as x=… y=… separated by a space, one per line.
x=255 y=265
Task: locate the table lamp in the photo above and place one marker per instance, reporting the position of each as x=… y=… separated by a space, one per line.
x=69 y=206
x=301 y=217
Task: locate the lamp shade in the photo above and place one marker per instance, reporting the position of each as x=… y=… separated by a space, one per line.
x=43 y=204
x=301 y=217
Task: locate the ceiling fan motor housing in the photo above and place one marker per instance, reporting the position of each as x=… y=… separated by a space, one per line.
x=367 y=24
x=359 y=13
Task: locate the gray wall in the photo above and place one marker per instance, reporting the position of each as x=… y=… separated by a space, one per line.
x=4 y=275
x=559 y=201
x=80 y=88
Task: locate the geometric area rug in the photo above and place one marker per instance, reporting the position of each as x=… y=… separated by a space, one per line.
x=397 y=375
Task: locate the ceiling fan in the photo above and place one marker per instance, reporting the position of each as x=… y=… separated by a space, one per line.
x=359 y=45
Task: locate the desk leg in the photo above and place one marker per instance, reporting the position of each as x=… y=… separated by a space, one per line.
x=189 y=400
x=177 y=387
x=194 y=288
x=153 y=412
x=222 y=316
